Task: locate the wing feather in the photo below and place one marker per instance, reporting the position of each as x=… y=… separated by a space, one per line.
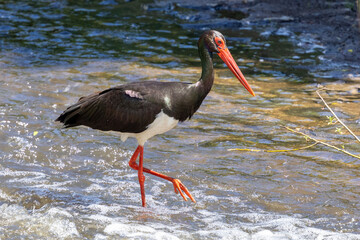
x=111 y=109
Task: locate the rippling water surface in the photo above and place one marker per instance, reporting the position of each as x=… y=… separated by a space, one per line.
x=76 y=183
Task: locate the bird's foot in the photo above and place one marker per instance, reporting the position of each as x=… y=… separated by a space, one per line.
x=180 y=188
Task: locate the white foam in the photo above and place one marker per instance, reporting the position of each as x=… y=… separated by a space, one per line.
x=223 y=234
x=137 y=231
x=51 y=223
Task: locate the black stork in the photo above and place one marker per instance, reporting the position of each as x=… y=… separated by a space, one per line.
x=144 y=109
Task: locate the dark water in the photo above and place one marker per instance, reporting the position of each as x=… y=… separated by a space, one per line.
x=76 y=184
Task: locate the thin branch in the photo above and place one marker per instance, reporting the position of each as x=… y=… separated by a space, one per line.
x=284 y=150
x=337 y=117
x=324 y=143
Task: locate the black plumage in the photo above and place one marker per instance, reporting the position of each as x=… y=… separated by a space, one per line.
x=132 y=107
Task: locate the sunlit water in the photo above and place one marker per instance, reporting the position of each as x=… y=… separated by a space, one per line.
x=76 y=183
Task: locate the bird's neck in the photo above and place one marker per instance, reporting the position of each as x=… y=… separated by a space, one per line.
x=190 y=98
x=207 y=75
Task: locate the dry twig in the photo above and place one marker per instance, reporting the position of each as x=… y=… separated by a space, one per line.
x=316 y=141
x=324 y=143
x=337 y=117
x=282 y=150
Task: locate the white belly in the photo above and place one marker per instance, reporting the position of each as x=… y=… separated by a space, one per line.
x=161 y=124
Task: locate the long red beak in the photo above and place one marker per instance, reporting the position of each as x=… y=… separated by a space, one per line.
x=225 y=55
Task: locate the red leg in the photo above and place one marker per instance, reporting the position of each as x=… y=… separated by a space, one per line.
x=141 y=176
x=179 y=187
x=132 y=164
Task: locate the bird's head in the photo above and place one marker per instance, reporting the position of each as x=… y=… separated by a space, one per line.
x=214 y=41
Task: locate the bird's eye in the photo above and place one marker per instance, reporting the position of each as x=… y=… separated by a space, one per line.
x=219 y=42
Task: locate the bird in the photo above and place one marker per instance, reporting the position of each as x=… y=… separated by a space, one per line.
x=144 y=109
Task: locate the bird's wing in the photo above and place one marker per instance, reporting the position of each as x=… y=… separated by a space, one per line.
x=116 y=109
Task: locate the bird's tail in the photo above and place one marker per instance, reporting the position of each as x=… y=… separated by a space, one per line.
x=72 y=116
x=69 y=116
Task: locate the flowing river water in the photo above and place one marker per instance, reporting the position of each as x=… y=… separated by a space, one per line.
x=76 y=183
